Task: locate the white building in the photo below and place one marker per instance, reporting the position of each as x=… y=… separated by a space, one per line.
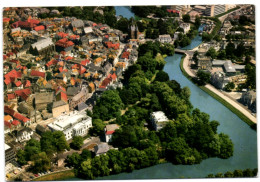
x=219 y=80
x=165 y=38
x=185 y=27
x=109 y=130
x=158 y=120
x=74 y=124
x=24 y=135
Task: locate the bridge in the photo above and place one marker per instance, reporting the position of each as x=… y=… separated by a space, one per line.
x=187 y=52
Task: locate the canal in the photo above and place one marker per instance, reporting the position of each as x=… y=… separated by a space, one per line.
x=243 y=137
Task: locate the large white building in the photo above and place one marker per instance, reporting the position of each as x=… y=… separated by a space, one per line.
x=74 y=124
x=158 y=120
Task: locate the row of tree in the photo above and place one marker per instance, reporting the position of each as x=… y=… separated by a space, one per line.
x=236 y=174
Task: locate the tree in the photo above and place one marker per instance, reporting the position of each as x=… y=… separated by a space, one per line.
x=226 y=146
x=186 y=18
x=41 y=162
x=229 y=174
x=48 y=143
x=86 y=154
x=48 y=76
x=229 y=86
x=238 y=173
x=97 y=127
x=32 y=147
x=211 y=53
x=60 y=141
x=162 y=76
x=29 y=65
x=73 y=160
x=248 y=173
x=203 y=77
x=221 y=54
x=77 y=142
x=21 y=157
x=197 y=22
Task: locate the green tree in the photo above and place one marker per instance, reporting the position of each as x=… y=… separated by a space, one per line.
x=203 y=77
x=162 y=76
x=48 y=76
x=226 y=146
x=211 y=53
x=186 y=18
x=238 y=173
x=41 y=162
x=221 y=54
x=77 y=142
x=21 y=157
x=29 y=65
x=32 y=147
x=197 y=22
x=48 y=143
x=86 y=154
x=97 y=127
x=73 y=160
x=229 y=174
x=60 y=141
x=229 y=86
x=248 y=173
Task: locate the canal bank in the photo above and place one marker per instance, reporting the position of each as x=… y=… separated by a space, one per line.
x=243 y=137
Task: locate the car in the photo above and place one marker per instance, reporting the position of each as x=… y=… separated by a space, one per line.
x=36 y=175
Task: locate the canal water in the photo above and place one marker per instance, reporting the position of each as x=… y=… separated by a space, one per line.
x=243 y=137
x=124 y=11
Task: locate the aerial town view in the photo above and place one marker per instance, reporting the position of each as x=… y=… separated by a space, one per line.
x=129 y=92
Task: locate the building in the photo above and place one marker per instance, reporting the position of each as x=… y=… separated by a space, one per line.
x=9 y=154
x=219 y=80
x=24 y=134
x=204 y=63
x=74 y=124
x=249 y=99
x=109 y=130
x=133 y=32
x=43 y=47
x=165 y=38
x=214 y=10
x=185 y=27
x=60 y=107
x=101 y=149
x=43 y=99
x=78 y=98
x=158 y=120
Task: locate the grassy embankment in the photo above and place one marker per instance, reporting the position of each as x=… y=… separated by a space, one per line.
x=218 y=98
x=56 y=176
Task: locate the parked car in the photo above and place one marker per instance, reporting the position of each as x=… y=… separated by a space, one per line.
x=36 y=175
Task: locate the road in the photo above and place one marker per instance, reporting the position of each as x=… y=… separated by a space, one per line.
x=235 y=104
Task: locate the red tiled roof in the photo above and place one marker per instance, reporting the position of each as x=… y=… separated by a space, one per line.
x=61 y=69
x=14 y=74
x=38 y=28
x=68 y=58
x=82 y=70
x=126 y=55
x=27 y=83
x=8 y=110
x=15 y=122
x=21 y=117
x=62 y=34
x=61 y=88
x=14 y=61
x=84 y=62
x=11 y=96
x=4 y=57
x=37 y=73
x=109 y=132
x=6 y=19
x=64 y=43
x=8 y=124
x=64 y=96
x=51 y=62
x=24 y=93
x=18 y=83
x=74 y=37
x=105 y=82
x=7 y=81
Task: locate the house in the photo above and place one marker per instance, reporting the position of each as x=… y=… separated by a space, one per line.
x=249 y=99
x=73 y=124
x=158 y=120
x=78 y=98
x=43 y=99
x=165 y=38
x=109 y=130
x=101 y=149
x=64 y=45
x=43 y=47
x=204 y=63
x=219 y=80
x=185 y=27
x=88 y=30
x=59 y=107
x=24 y=134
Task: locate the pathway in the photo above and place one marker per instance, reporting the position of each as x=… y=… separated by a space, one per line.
x=219 y=93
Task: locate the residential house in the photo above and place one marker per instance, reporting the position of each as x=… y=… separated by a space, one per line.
x=249 y=99
x=165 y=38
x=77 y=99
x=43 y=47
x=185 y=27
x=42 y=100
x=59 y=107
x=109 y=130
x=219 y=80
x=100 y=149
x=23 y=134
x=204 y=63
